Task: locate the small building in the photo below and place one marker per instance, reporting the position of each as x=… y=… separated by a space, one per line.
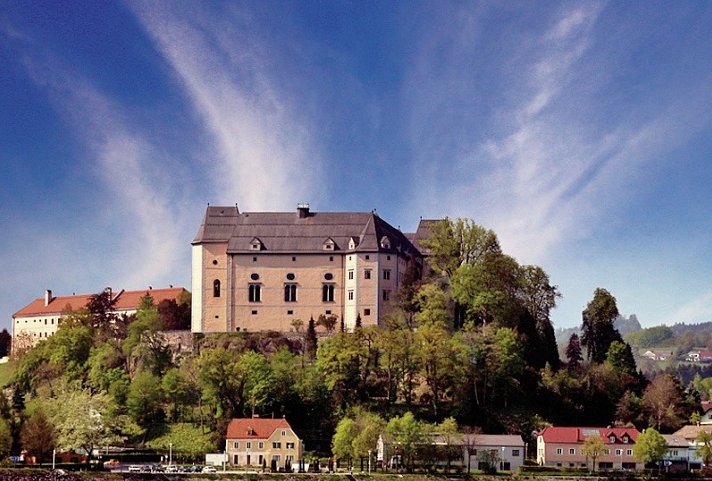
x=658 y=354
x=562 y=447
x=262 y=442
x=509 y=450
x=677 y=456
x=689 y=433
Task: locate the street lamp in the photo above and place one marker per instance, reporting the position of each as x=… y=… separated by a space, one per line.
x=170 y=454
x=369 y=461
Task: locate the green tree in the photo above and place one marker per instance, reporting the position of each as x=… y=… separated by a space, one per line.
x=593 y=447
x=310 y=341
x=178 y=389
x=573 y=353
x=620 y=358
x=649 y=447
x=83 y=420
x=452 y=438
x=441 y=360
x=407 y=433
x=597 y=329
x=5 y=438
x=144 y=399
x=342 y=441
x=258 y=380
x=37 y=436
x=704 y=446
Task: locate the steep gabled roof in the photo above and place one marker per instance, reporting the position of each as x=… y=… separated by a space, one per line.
x=254 y=428
x=573 y=435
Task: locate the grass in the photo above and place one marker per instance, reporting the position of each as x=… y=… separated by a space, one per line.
x=6 y=372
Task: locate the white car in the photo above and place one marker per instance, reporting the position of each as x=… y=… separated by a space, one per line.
x=134 y=469
x=171 y=468
x=209 y=469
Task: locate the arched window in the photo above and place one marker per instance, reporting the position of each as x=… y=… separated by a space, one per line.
x=290 y=293
x=327 y=293
x=216 y=288
x=255 y=293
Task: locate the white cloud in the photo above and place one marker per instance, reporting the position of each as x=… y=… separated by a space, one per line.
x=261 y=145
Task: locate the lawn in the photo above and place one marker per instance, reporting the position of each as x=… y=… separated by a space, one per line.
x=6 y=372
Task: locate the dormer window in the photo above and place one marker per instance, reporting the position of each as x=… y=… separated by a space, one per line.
x=329 y=244
x=256 y=244
x=353 y=242
x=612 y=438
x=626 y=439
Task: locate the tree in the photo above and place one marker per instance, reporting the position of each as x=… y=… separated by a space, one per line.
x=597 y=329
x=539 y=298
x=662 y=401
x=5 y=343
x=649 y=447
x=5 y=438
x=450 y=434
x=174 y=315
x=593 y=447
x=84 y=421
x=310 y=340
x=406 y=432
x=342 y=441
x=37 y=436
x=327 y=322
x=573 y=353
x=704 y=446
x=441 y=360
x=177 y=388
x=144 y=399
x=620 y=358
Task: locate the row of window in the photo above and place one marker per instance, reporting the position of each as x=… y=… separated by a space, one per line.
x=276 y=458
x=254 y=292
x=261 y=445
x=34 y=321
x=606 y=452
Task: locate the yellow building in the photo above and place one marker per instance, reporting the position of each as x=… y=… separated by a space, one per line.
x=262 y=442
x=255 y=271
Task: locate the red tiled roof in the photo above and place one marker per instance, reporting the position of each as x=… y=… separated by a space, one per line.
x=578 y=434
x=126 y=300
x=254 y=428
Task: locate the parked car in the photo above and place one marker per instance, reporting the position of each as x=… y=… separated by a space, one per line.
x=209 y=469
x=134 y=468
x=171 y=468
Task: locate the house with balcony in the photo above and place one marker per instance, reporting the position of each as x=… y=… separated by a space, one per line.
x=562 y=447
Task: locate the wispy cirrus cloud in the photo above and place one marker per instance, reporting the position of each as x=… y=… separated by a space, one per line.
x=134 y=232
x=260 y=153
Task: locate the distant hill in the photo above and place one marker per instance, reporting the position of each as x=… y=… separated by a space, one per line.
x=624 y=325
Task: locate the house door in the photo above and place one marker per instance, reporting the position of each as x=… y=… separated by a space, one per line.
x=248 y=460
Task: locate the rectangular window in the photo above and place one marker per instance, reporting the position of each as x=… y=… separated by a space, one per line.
x=619 y=452
x=351 y=295
x=327 y=312
x=559 y=451
x=368 y=257
x=276 y=458
x=248 y=445
x=254 y=313
x=235 y=459
x=255 y=293
x=290 y=312
x=606 y=452
x=351 y=274
x=290 y=445
x=388 y=258
x=327 y=293
x=290 y=293
x=386 y=295
x=367 y=274
x=515 y=452
x=261 y=445
x=254 y=259
x=276 y=445
x=331 y=258
x=367 y=312
x=629 y=452
x=235 y=445
x=386 y=274
x=572 y=451
x=284 y=433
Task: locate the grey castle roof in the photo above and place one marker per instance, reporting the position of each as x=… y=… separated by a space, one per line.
x=300 y=232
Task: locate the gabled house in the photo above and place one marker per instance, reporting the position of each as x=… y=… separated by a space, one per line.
x=677 y=456
x=562 y=447
x=262 y=442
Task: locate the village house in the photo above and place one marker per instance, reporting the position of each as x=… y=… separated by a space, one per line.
x=256 y=271
x=40 y=318
x=562 y=447
x=508 y=451
x=262 y=442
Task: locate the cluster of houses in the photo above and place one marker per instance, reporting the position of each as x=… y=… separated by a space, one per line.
x=696 y=355
x=261 y=442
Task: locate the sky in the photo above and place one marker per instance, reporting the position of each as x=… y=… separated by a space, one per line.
x=580 y=132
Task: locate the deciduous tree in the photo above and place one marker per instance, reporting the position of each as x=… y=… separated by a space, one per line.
x=649 y=447
x=593 y=447
x=37 y=436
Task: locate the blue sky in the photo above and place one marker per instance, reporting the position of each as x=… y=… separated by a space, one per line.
x=579 y=131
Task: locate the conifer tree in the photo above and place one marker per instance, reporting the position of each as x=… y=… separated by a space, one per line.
x=310 y=340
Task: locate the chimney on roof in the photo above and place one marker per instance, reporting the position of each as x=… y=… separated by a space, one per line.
x=110 y=291
x=303 y=210
x=48 y=297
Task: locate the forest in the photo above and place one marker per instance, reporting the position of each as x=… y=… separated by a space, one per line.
x=470 y=347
